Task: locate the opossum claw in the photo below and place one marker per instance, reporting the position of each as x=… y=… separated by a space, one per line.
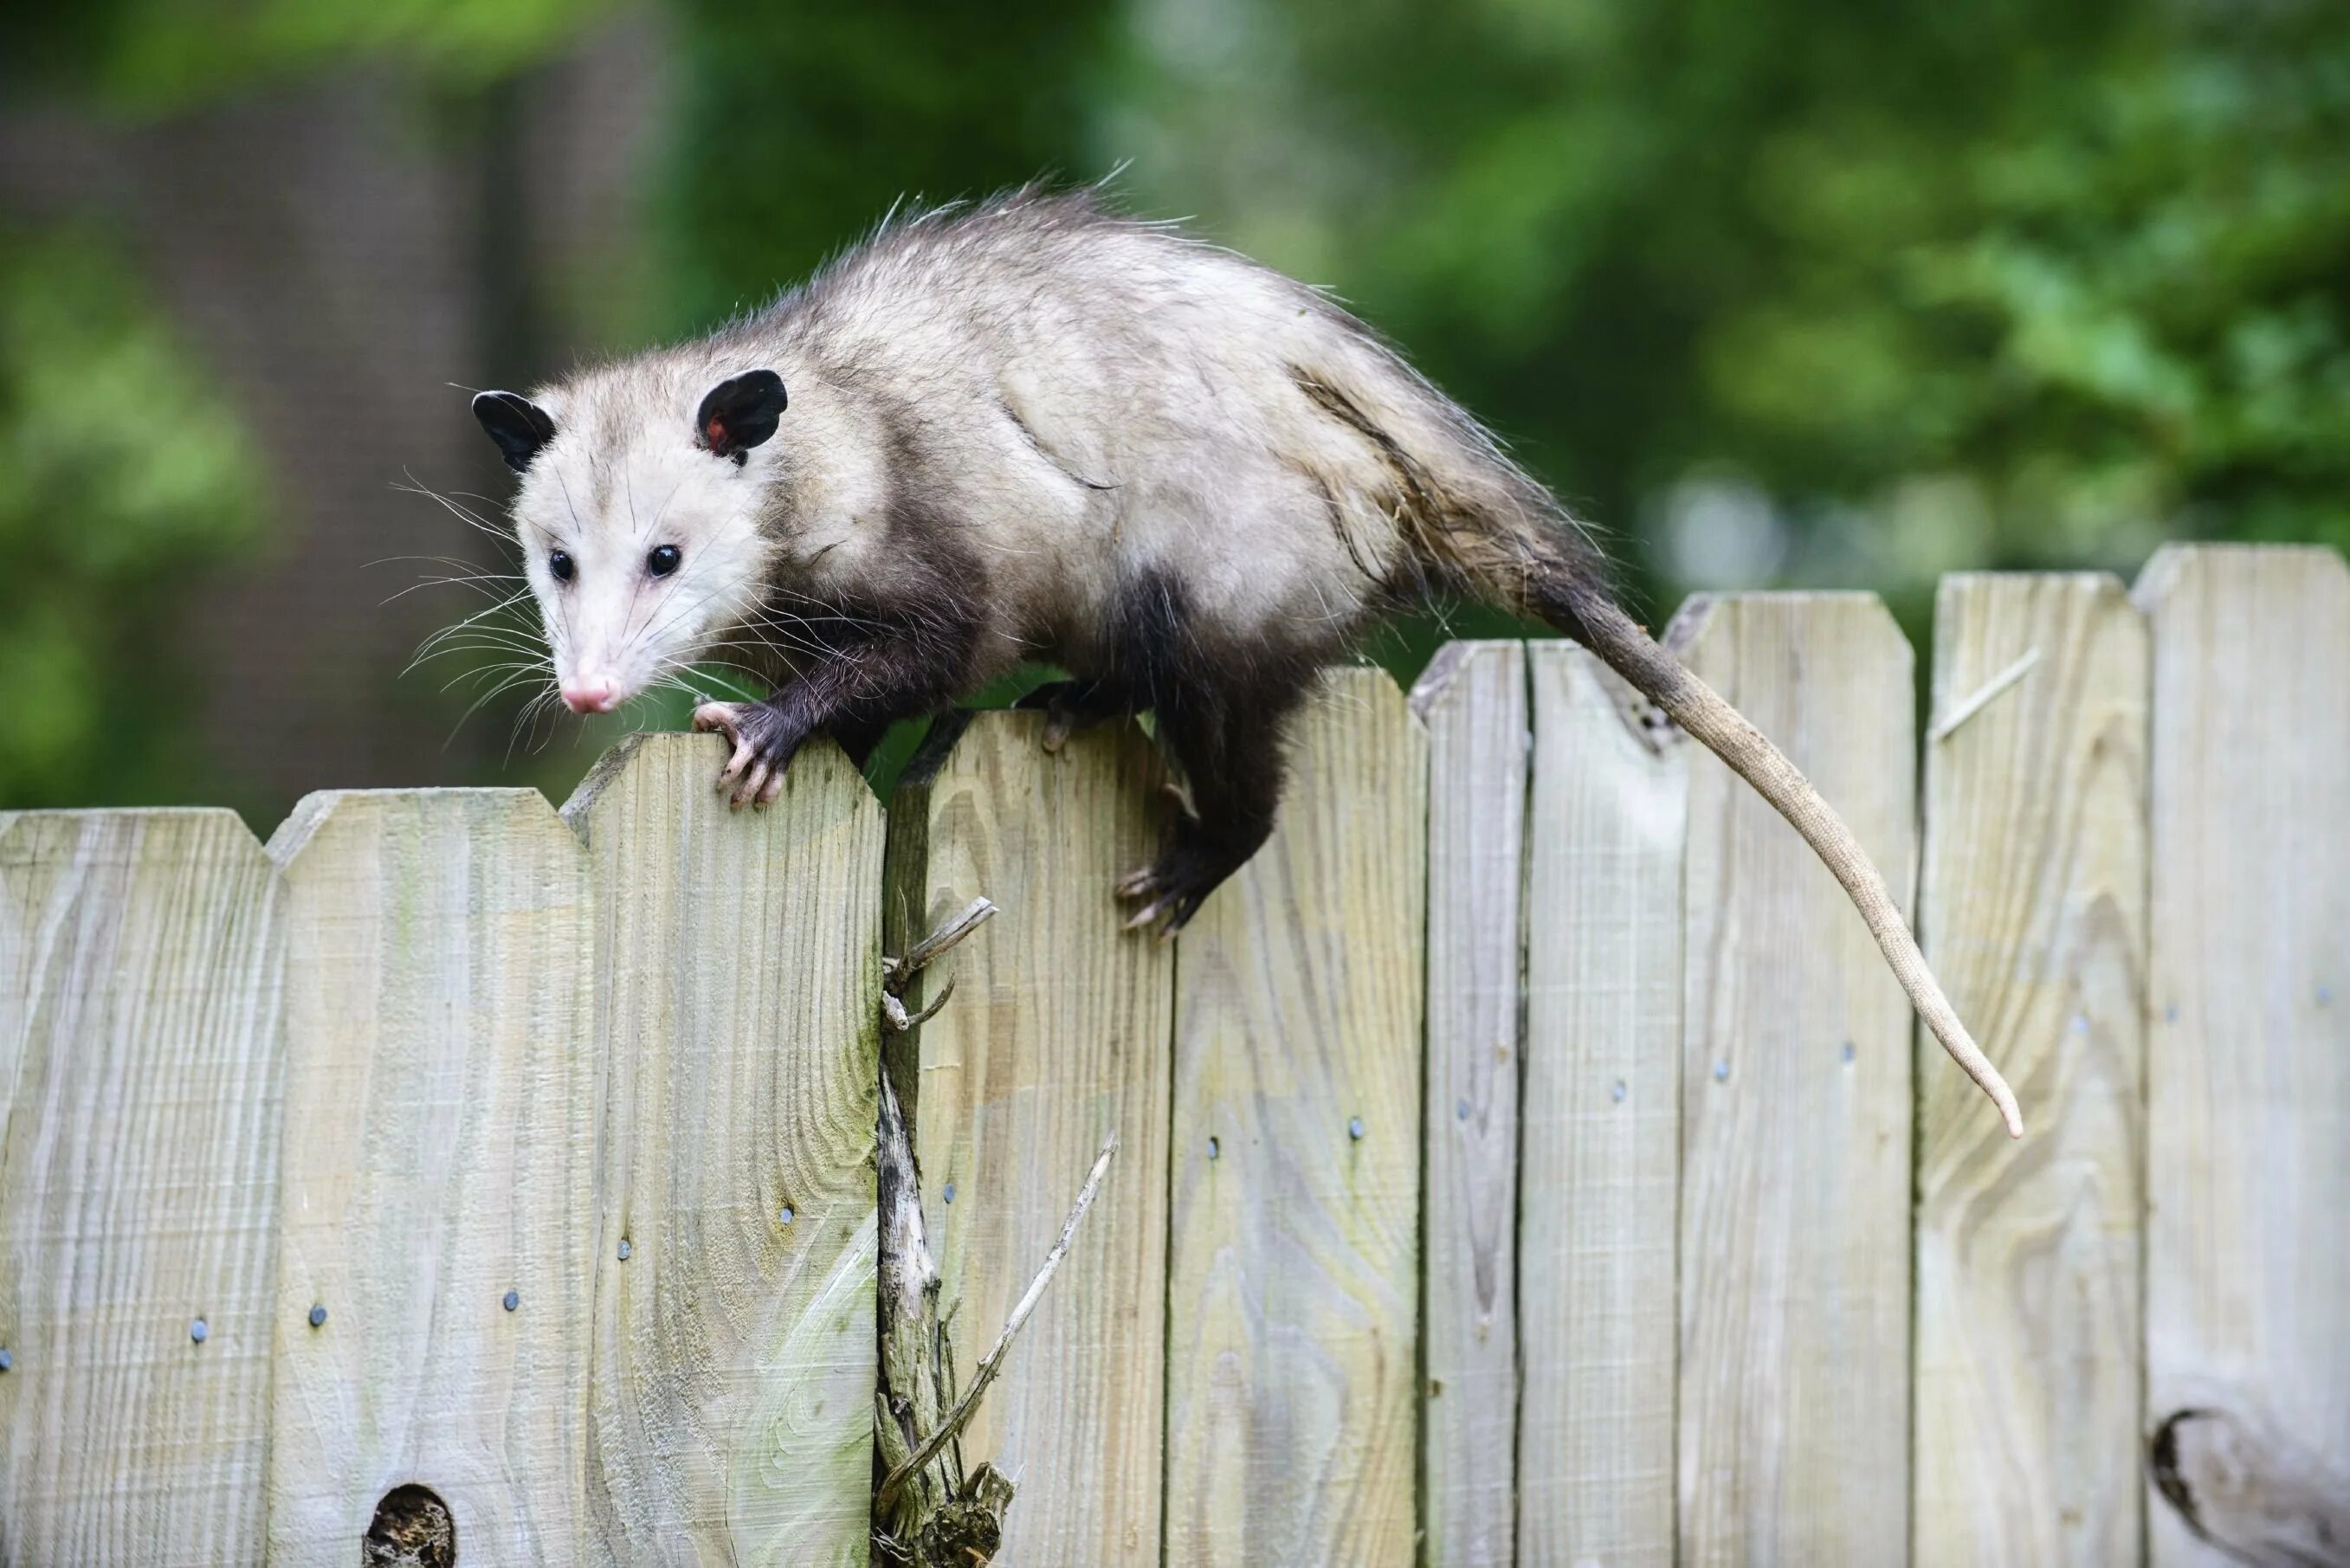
x=763 y=747
x=1178 y=899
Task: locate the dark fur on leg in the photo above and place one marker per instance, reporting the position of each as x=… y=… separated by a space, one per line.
x=859 y=667
x=1070 y=706
x=859 y=663
x=1220 y=709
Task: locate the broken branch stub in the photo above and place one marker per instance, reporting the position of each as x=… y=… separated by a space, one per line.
x=928 y=1512
x=992 y=1362
x=896 y=972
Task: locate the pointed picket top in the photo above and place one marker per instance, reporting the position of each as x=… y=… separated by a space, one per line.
x=735 y=980
x=440 y=1083
x=140 y=953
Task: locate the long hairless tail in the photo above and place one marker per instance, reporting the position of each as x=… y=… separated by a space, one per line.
x=1585 y=613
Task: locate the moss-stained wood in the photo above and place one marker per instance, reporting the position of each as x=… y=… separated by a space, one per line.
x=1473 y=702
x=140 y=1104
x=1294 y=1269
x=2248 y=1053
x=1795 y=1085
x=1601 y=1178
x=2033 y=908
x=734 y=974
x=1058 y=1035
x=441 y=1075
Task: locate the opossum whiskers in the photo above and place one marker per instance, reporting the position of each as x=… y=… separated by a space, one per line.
x=464 y=573
x=479 y=632
x=465 y=514
x=538 y=707
x=517 y=675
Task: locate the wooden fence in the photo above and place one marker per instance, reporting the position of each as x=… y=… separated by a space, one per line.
x=1528 y=1159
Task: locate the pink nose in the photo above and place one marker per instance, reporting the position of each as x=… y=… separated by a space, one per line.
x=595 y=696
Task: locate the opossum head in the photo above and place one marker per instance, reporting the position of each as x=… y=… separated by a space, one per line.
x=639 y=516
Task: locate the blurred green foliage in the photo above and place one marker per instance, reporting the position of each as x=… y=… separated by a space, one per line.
x=1822 y=292
x=1918 y=286
x=152 y=57
x=121 y=478
x=800 y=124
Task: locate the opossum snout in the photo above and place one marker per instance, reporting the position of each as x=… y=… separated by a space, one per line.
x=591 y=695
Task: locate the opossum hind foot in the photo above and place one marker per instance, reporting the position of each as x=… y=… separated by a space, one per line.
x=1172 y=887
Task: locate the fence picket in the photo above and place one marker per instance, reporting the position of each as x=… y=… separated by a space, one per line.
x=2033 y=912
x=1058 y=1035
x=2248 y=1053
x=1602 y=1157
x=139 y=1099
x=1473 y=702
x=736 y=976
x=1796 y=1081
x=1294 y=1267
x=440 y=1084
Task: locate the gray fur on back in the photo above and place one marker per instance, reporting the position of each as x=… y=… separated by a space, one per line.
x=1068 y=399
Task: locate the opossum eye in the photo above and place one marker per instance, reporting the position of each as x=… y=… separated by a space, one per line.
x=561 y=565
x=663 y=560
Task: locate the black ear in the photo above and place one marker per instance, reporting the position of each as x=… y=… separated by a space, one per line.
x=519 y=426
x=740 y=413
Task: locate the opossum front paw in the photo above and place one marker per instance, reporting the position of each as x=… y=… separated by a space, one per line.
x=765 y=742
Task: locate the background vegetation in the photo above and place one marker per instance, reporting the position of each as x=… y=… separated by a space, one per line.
x=1807 y=292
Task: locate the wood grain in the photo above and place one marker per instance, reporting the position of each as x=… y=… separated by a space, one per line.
x=2033 y=911
x=1794 y=1245
x=2248 y=1061
x=441 y=1086
x=735 y=980
x=1601 y=1141
x=1059 y=1033
x=139 y=1098
x=1473 y=702
x=1294 y=1266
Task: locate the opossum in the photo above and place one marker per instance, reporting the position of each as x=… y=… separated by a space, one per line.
x=1036 y=429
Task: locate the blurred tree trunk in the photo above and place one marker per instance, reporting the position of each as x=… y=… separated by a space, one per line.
x=349 y=254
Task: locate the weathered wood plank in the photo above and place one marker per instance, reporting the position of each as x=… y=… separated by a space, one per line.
x=441 y=1086
x=1059 y=1033
x=2034 y=909
x=739 y=962
x=1795 y=1244
x=1601 y=1141
x=1294 y=1277
x=2248 y=1061
x=1473 y=702
x=141 y=1080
